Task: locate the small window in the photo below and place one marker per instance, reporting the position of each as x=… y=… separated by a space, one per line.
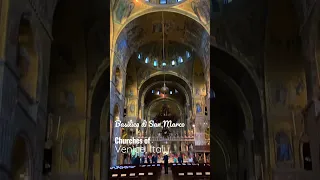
x=164 y=64
x=152 y=91
x=139 y=56
x=163 y=1
x=180 y=60
x=146 y=60
x=173 y=62
x=179 y=0
x=171 y=92
x=155 y=63
x=158 y=92
x=188 y=54
x=175 y=91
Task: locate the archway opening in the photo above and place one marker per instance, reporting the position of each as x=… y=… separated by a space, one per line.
x=20 y=159
x=27 y=60
x=306 y=155
x=236 y=91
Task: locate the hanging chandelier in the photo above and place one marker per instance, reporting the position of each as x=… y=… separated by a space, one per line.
x=164 y=89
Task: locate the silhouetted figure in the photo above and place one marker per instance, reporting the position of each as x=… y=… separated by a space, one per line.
x=156 y=158
x=180 y=159
x=136 y=161
x=153 y=159
x=165 y=163
x=148 y=159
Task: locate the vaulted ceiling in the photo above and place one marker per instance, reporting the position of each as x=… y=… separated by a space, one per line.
x=178 y=28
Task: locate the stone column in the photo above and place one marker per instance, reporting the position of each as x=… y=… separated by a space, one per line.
x=142 y=119
x=114 y=153
x=199 y=129
x=249 y=136
x=104 y=158
x=188 y=116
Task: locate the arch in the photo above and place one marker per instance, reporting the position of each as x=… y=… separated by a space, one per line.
x=153 y=10
x=166 y=73
x=104 y=66
x=27 y=61
x=240 y=58
x=244 y=104
x=225 y=154
x=21 y=157
x=97 y=94
x=154 y=83
x=126 y=54
x=157 y=101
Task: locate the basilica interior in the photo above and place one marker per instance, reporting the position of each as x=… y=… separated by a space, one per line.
x=238 y=78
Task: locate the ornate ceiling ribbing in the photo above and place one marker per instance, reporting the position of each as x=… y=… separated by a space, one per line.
x=129 y=17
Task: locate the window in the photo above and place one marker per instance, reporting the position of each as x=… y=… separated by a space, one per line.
x=146 y=60
x=152 y=91
x=164 y=64
x=158 y=92
x=175 y=91
x=173 y=62
x=139 y=56
x=171 y=92
x=227 y=1
x=188 y=54
x=180 y=60
x=163 y=1
x=179 y=0
x=155 y=63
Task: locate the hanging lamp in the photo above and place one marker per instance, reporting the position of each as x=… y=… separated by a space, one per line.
x=164 y=88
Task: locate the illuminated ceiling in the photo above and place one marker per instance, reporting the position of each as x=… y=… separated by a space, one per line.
x=178 y=28
x=163 y=2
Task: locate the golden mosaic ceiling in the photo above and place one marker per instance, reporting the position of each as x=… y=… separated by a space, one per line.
x=148 y=29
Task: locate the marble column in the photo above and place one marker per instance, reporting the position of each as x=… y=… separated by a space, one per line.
x=199 y=129
x=249 y=136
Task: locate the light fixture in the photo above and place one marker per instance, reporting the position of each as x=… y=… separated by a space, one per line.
x=164 y=89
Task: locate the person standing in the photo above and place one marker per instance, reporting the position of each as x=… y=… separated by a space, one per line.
x=156 y=158
x=175 y=159
x=166 y=163
x=148 y=159
x=180 y=160
x=142 y=159
x=153 y=159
